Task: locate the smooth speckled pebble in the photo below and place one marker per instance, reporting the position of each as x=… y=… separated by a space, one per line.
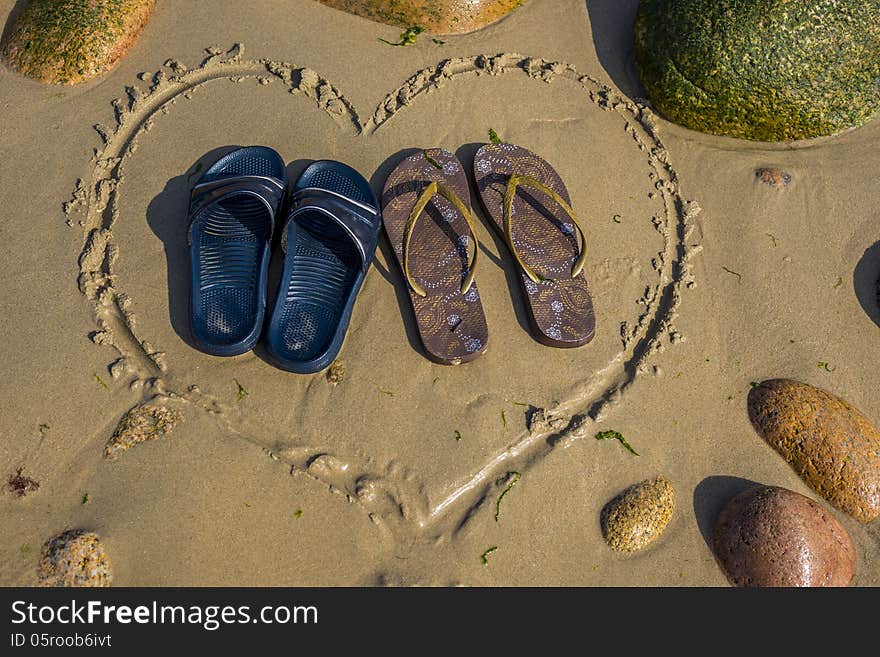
x=830 y=444
x=772 y=536
x=637 y=516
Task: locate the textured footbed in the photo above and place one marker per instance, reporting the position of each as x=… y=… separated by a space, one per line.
x=560 y=307
x=321 y=269
x=452 y=326
x=229 y=240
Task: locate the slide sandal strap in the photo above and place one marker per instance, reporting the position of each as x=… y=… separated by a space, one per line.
x=518 y=180
x=358 y=220
x=449 y=194
x=267 y=189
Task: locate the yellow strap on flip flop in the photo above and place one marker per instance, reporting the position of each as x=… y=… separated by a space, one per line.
x=518 y=180
x=450 y=195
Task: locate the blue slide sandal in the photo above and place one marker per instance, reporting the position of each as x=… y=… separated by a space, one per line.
x=329 y=242
x=232 y=215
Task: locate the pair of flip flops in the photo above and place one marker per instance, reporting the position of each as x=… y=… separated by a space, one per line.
x=329 y=239
x=428 y=219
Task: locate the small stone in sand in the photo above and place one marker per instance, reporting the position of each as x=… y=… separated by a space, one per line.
x=20 y=485
x=141 y=423
x=70 y=41
x=774 y=177
x=771 y=536
x=829 y=443
x=638 y=515
x=336 y=373
x=74 y=558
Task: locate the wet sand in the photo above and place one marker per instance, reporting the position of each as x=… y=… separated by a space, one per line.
x=704 y=280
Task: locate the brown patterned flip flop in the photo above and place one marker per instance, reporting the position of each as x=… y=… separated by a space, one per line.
x=428 y=219
x=530 y=206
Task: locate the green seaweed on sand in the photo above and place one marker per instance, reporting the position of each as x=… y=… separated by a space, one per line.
x=485 y=556
x=407 y=37
x=101 y=381
x=503 y=419
x=85 y=498
x=43 y=429
x=511 y=478
x=493 y=136
x=385 y=392
x=735 y=273
x=616 y=435
x=773 y=238
x=616 y=219
x=439 y=42
x=298 y=514
x=828 y=367
x=838 y=283
x=242 y=392
x=457 y=436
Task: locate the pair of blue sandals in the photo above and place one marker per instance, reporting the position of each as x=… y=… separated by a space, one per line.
x=329 y=239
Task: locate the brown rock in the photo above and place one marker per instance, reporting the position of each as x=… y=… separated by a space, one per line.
x=772 y=536
x=830 y=444
x=71 y=41
x=774 y=177
x=638 y=515
x=435 y=16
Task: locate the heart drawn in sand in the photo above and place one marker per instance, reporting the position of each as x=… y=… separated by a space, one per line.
x=637 y=291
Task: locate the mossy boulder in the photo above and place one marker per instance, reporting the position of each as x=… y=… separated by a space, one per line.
x=766 y=70
x=435 y=16
x=71 y=41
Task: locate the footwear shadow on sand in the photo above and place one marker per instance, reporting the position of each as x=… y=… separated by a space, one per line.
x=711 y=495
x=612 y=22
x=866 y=282
x=167 y=218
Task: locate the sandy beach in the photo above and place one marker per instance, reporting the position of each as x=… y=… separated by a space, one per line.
x=704 y=279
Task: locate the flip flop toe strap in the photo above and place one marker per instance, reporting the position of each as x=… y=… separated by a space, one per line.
x=433 y=189
x=519 y=180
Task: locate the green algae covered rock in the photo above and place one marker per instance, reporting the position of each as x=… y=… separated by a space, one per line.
x=71 y=41
x=766 y=70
